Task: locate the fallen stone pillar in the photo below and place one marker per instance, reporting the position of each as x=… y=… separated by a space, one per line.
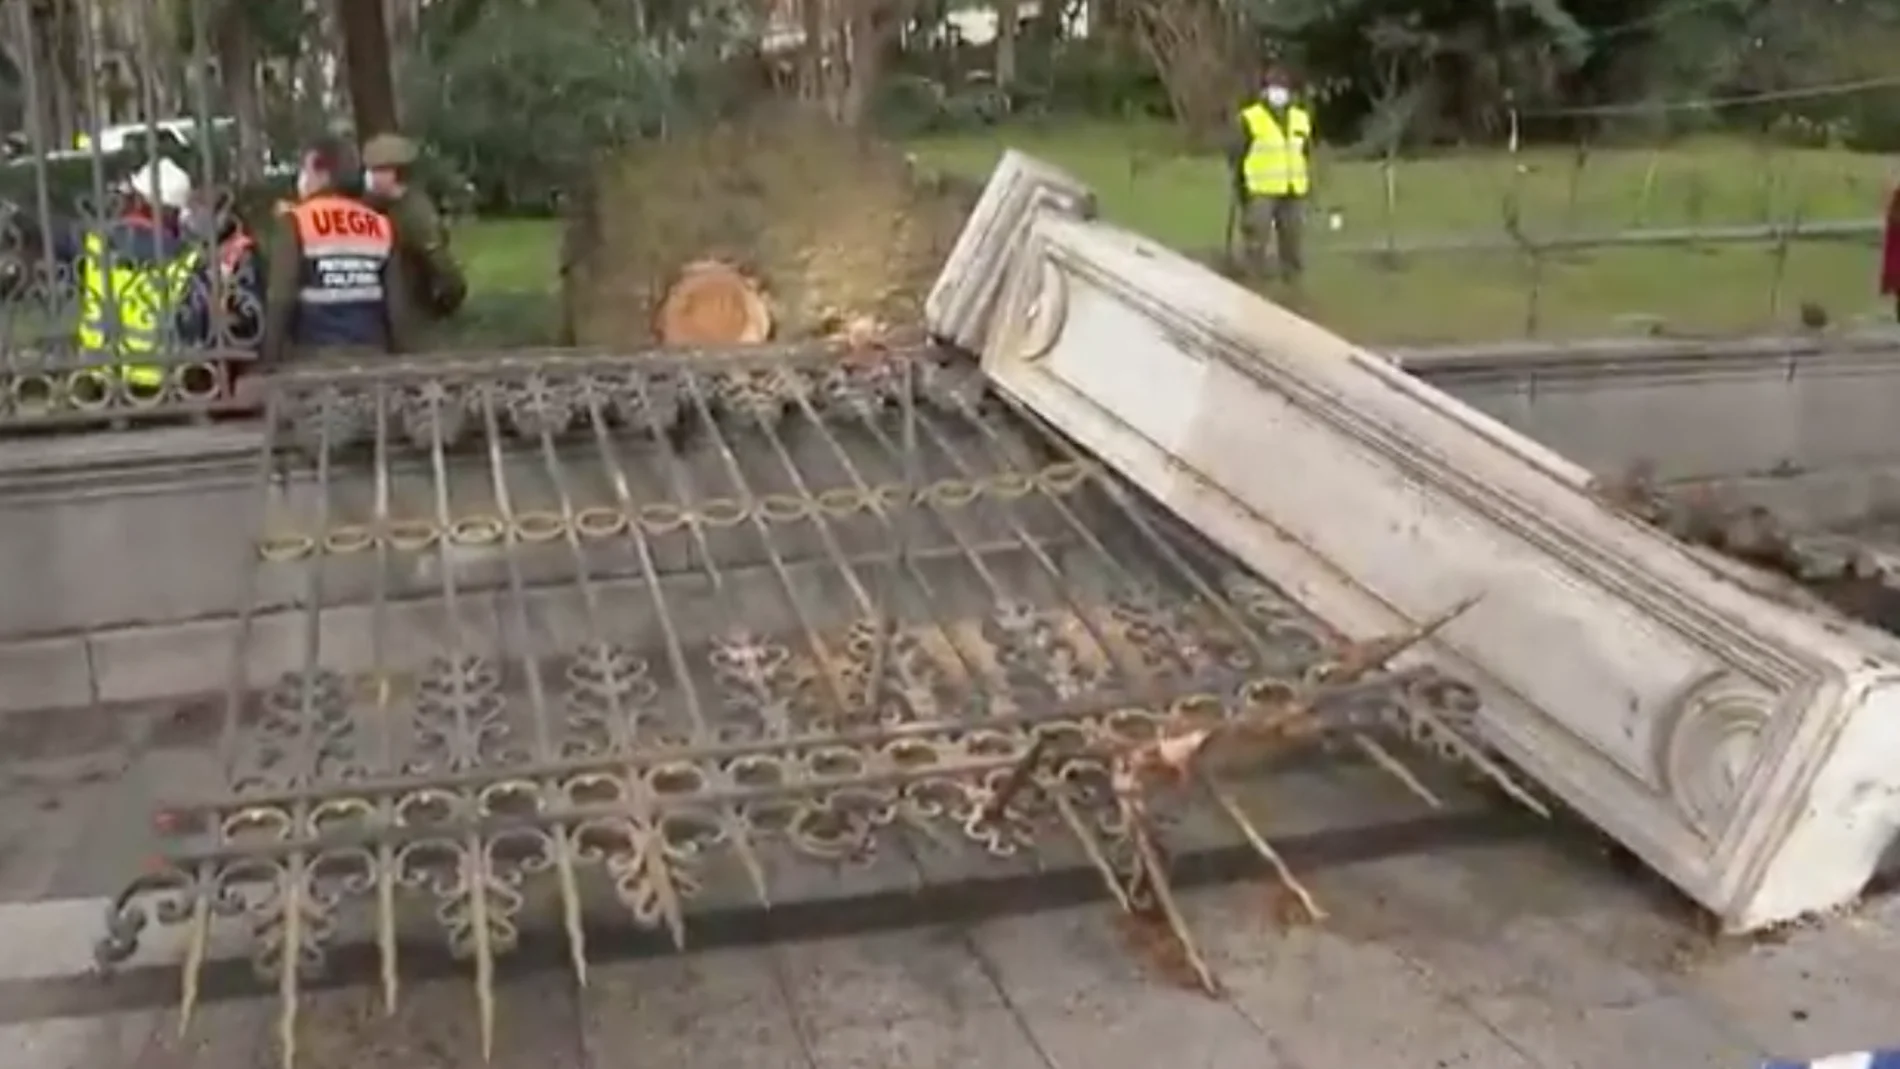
x=1748 y=751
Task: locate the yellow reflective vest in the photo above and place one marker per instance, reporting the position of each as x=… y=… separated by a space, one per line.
x=1275 y=165
x=125 y=308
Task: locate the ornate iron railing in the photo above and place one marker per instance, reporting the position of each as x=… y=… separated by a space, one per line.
x=575 y=638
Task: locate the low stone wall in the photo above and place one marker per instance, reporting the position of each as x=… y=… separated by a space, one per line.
x=1802 y=425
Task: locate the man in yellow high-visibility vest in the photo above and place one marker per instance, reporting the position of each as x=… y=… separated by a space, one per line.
x=1272 y=161
x=134 y=277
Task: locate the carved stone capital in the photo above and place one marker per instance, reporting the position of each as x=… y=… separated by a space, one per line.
x=1037 y=292
x=1711 y=737
x=959 y=307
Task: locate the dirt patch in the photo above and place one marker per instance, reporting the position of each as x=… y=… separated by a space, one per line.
x=833 y=226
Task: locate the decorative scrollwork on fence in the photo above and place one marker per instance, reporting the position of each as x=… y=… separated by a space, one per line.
x=864 y=625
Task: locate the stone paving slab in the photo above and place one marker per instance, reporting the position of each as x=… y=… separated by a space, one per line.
x=1523 y=956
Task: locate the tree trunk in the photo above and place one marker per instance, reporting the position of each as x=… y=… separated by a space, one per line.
x=44 y=116
x=870 y=26
x=833 y=58
x=1007 y=23
x=366 y=57
x=308 y=86
x=1098 y=18
x=236 y=46
x=405 y=18
x=861 y=62
x=1049 y=20
x=1194 y=48
x=811 y=60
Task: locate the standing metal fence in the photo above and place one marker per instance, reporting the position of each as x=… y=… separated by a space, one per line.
x=128 y=289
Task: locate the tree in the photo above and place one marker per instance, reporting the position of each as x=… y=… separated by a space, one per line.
x=13 y=102
x=1008 y=28
x=1456 y=68
x=366 y=59
x=233 y=32
x=523 y=100
x=1203 y=51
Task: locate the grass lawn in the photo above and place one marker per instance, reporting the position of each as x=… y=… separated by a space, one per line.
x=509 y=255
x=514 y=275
x=1147 y=183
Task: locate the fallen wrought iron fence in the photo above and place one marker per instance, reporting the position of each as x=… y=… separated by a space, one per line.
x=575 y=638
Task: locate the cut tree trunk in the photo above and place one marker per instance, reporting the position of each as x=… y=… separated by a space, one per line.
x=713 y=303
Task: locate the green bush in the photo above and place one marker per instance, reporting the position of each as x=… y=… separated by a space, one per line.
x=911 y=105
x=908 y=105
x=1872 y=122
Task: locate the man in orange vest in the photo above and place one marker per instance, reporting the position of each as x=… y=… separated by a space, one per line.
x=333 y=286
x=1271 y=159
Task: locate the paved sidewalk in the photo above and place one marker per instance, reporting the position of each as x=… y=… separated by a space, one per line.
x=1520 y=956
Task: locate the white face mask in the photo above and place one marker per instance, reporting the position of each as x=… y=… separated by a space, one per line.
x=307 y=184
x=1277 y=95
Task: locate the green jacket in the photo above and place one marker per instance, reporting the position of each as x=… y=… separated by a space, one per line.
x=435 y=279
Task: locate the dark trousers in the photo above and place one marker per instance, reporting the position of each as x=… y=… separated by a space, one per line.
x=1278 y=220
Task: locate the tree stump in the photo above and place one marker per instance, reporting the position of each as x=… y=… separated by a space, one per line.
x=712 y=303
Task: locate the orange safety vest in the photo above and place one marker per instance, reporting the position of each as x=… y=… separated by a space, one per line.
x=341 y=300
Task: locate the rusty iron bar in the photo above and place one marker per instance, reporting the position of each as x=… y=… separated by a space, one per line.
x=506 y=725
x=1215 y=686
